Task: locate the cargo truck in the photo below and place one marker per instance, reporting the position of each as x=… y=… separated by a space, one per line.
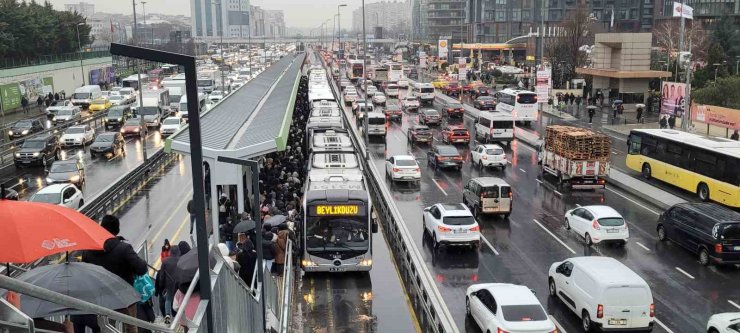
x=576 y=156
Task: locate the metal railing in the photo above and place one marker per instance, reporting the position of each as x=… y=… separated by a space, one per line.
x=430 y=309
x=283 y=315
x=7 y=63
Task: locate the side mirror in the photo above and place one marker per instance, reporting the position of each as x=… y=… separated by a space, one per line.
x=67 y=200
x=426 y=209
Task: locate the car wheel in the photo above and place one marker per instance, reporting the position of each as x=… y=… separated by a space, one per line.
x=703 y=257
x=435 y=243
x=661 y=234
x=567 y=224
x=712 y=330
x=586 y=322
x=647 y=172
x=553 y=289
x=467 y=306
x=703 y=192
x=589 y=241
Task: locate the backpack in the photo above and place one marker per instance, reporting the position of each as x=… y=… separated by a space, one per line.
x=145 y=286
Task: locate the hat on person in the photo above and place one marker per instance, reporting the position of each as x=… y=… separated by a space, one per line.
x=111 y=224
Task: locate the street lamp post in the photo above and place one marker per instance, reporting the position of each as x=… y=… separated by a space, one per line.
x=737 y=64
x=82 y=69
x=339 y=29
x=142 y=123
x=223 y=62
x=716 y=67
x=364 y=62
x=143 y=13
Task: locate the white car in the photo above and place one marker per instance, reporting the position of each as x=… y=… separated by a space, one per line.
x=170 y=125
x=379 y=98
x=410 y=102
x=403 y=83
x=216 y=96
x=489 y=156
x=402 y=168
x=724 y=323
x=505 y=307
x=597 y=224
x=67 y=195
x=61 y=104
x=129 y=93
x=350 y=96
x=451 y=224
x=77 y=136
x=371 y=90
x=117 y=99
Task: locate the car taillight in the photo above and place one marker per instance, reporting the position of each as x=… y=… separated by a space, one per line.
x=498 y=330
x=652 y=310
x=595 y=224
x=396 y=169
x=457 y=158
x=717 y=248
x=443 y=229
x=417 y=169
x=476 y=228
x=450 y=110
x=599 y=311
x=554 y=331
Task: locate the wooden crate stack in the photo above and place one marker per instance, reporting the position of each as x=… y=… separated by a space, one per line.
x=577 y=143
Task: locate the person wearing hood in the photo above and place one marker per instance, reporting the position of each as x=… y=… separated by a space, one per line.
x=268 y=246
x=246 y=256
x=166 y=279
x=119 y=258
x=280 y=248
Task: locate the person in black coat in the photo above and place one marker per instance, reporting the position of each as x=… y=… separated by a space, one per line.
x=166 y=280
x=24 y=104
x=246 y=256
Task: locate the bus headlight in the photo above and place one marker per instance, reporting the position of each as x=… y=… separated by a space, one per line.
x=308 y=263
x=366 y=262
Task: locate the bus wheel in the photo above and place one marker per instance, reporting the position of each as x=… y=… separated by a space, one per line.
x=703 y=191
x=647 y=172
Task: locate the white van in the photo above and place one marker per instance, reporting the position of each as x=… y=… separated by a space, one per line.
x=184 y=105
x=391 y=90
x=605 y=293
x=84 y=95
x=425 y=92
x=376 y=123
x=494 y=126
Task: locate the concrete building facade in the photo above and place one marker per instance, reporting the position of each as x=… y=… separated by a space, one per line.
x=83 y=8
x=227 y=17
x=389 y=15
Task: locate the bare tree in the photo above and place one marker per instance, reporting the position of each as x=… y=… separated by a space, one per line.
x=667 y=34
x=564 y=50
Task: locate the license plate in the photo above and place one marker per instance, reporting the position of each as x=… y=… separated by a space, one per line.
x=461 y=231
x=340 y=269
x=612 y=231
x=617 y=321
x=408 y=177
x=736 y=248
x=27 y=162
x=459 y=140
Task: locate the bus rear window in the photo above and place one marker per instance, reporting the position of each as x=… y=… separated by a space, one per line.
x=526 y=98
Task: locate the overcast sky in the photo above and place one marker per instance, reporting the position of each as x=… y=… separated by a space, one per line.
x=298 y=13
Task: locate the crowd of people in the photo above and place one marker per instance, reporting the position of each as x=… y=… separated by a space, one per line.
x=42 y=100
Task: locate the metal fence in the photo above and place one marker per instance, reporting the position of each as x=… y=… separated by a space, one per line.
x=7 y=63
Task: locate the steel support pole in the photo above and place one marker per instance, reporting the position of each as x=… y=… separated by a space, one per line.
x=82 y=69
x=142 y=123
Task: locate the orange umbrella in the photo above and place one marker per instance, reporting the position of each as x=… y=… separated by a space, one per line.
x=30 y=230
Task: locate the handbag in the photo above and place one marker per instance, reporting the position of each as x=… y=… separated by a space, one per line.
x=145 y=286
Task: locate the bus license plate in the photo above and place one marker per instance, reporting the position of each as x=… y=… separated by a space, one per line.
x=336 y=269
x=617 y=321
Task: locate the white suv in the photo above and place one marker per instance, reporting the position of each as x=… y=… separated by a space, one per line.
x=505 y=307
x=451 y=224
x=597 y=224
x=402 y=168
x=488 y=156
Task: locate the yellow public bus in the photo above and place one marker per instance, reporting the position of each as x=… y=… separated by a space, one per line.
x=707 y=166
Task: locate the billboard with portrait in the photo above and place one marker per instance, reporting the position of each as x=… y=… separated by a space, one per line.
x=672 y=98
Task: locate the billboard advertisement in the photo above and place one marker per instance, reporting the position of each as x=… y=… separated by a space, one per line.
x=683 y=10
x=10 y=94
x=462 y=68
x=716 y=115
x=442 y=47
x=32 y=88
x=542 y=86
x=672 y=98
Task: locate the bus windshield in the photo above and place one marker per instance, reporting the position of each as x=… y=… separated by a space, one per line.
x=331 y=234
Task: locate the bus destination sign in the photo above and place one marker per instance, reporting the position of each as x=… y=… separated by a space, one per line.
x=336 y=210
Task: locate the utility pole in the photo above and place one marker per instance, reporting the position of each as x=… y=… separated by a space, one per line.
x=223 y=60
x=142 y=123
x=82 y=69
x=339 y=29
x=680 y=37
x=364 y=65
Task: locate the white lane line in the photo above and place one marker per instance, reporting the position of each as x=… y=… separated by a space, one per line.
x=522 y=170
x=577 y=205
x=663 y=325
x=553 y=236
x=633 y=201
x=558 y=193
x=733 y=304
x=684 y=273
x=642 y=246
x=439 y=187
x=489 y=244
x=557 y=324
x=395 y=135
x=539 y=181
x=508 y=162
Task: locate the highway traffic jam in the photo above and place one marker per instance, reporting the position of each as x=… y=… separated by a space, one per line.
x=516 y=217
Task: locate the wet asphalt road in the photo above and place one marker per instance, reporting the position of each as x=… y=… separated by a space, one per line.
x=521 y=249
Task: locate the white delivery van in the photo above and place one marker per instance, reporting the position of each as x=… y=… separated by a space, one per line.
x=84 y=95
x=605 y=293
x=494 y=126
x=425 y=92
x=376 y=123
x=176 y=94
x=183 y=109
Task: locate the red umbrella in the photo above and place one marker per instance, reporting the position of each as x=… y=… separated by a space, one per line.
x=30 y=230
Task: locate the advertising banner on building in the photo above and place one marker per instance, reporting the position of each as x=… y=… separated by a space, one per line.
x=672 y=98
x=443 y=49
x=33 y=88
x=683 y=10
x=10 y=95
x=422 y=59
x=542 y=86
x=462 y=68
x=716 y=115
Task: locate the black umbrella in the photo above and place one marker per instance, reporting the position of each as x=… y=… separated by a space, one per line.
x=187 y=265
x=244 y=226
x=592 y=107
x=275 y=220
x=83 y=281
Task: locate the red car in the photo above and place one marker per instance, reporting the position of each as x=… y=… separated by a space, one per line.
x=133 y=127
x=455 y=134
x=452 y=88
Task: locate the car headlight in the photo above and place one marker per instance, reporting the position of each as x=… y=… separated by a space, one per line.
x=17 y=154
x=49 y=180
x=10 y=132
x=366 y=262
x=24 y=132
x=308 y=263
x=122 y=130
x=120 y=119
x=36 y=154
x=74 y=178
x=136 y=129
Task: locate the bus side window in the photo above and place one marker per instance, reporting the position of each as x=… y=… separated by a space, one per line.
x=635 y=142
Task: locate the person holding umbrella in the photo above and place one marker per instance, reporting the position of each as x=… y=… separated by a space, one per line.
x=167 y=280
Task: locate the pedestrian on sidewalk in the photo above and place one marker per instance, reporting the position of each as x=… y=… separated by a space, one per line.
x=663 y=122
x=40 y=102
x=56 y=96
x=591 y=112
x=672 y=121
x=24 y=104
x=639 y=115
x=735 y=136
x=166 y=248
x=268 y=246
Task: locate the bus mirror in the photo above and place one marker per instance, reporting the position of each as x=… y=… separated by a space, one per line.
x=375 y=227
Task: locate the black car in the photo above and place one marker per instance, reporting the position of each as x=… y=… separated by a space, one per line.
x=108 y=143
x=485 y=103
x=442 y=156
x=480 y=91
x=37 y=151
x=67 y=171
x=117 y=115
x=24 y=128
x=710 y=231
x=429 y=117
x=453 y=109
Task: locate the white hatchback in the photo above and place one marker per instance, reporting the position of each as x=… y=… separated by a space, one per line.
x=597 y=224
x=67 y=195
x=402 y=168
x=379 y=98
x=724 y=323
x=505 y=307
x=451 y=224
x=488 y=156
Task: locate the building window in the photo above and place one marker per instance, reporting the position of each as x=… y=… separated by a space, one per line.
x=500 y=16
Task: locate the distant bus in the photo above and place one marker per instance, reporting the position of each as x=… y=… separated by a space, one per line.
x=702 y=165
x=395 y=71
x=133 y=81
x=522 y=104
x=356 y=69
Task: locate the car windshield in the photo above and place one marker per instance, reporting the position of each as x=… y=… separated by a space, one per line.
x=626 y=296
x=127 y=91
x=489 y=192
x=115 y=97
x=494 y=151
x=422 y=130
x=431 y=113
x=148 y=110
x=530 y=312
x=411 y=99
x=52 y=198
x=205 y=83
x=485 y=98
x=75 y=130
x=105 y=138
x=611 y=221
x=456 y=105
x=63 y=167
x=392 y=107
x=23 y=124
x=33 y=144
x=458 y=220
x=57 y=103
x=99 y=101
x=81 y=96
x=447 y=151
x=405 y=162
x=133 y=122
x=171 y=121
x=731 y=231
x=115 y=112
x=175 y=98
x=460 y=131
x=65 y=112
x=427 y=90
x=376 y=121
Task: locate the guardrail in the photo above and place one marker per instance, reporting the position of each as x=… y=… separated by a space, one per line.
x=429 y=307
x=287 y=292
x=52 y=58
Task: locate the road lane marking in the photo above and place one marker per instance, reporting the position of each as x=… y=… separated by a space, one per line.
x=539 y=181
x=663 y=325
x=439 y=187
x=524 y=145
x=633 y=201
x=642 y=246
x=172 y=216
x=522 y=170
x=557 y=324
x=174 y=239
x=489 y=244
x=685 y=273
x=558 y=193
x=733 y=304
x=553 y=236
x=577 y=205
